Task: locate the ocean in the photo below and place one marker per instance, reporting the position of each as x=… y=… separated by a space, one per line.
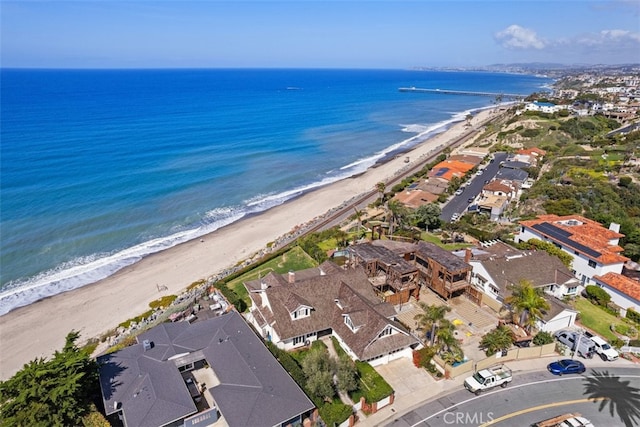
x=100 y=168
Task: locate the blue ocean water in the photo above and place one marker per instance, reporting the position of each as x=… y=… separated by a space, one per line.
x=102 y=167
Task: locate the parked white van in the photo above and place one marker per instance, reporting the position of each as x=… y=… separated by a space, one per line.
x=581 y=344
x=604 y=349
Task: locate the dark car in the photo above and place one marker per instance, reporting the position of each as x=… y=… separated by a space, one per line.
x=566 y=366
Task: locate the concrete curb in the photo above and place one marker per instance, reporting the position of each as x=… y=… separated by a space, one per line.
x=409 y=402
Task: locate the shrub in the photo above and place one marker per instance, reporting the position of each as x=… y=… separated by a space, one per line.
x=597 y=295
x=335 y=413
x=288 y=363
x=163 y=302
x=542 y=338
x=422 y=358
x=633 y=315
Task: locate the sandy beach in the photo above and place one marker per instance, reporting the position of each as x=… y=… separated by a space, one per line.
x=39 y=329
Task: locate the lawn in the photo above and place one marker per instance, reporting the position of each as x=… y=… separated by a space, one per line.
x=292 y=260
x=595 y=318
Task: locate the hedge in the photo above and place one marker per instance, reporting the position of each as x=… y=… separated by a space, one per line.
x=633 y=315
x=370 y=384
x=335 y=413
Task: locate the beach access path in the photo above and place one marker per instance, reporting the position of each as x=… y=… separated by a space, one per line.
x=39 y=329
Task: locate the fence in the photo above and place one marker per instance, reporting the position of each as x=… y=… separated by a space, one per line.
x=517 y=353
x=629 y=349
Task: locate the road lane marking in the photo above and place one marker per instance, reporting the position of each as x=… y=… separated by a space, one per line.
x=537 y=408
x=507 y=389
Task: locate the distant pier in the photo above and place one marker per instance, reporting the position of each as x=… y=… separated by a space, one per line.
x=462 y=92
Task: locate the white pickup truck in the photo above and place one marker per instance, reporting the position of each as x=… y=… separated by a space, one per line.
x=488 y=378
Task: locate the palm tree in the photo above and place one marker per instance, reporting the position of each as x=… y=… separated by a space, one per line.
x=429 y=320
x=501 y=338
x=397 y=214
x=447 y=344
x=381 y=186
x=527 y=302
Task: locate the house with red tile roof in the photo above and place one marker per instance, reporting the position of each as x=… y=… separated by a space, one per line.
x=594 y=248
x=447 y=169
x=624 y=291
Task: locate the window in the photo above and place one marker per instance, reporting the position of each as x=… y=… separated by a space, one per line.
x=303 y=312
x=298 y=340
x=348 y=322
x=592 y=263
x=387 y=331
x=572 y=290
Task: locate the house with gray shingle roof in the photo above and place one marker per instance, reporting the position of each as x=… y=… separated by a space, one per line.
x=213 y=372
x=293 y=310
x=493 y=273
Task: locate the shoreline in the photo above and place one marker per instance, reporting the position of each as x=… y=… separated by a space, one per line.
x=39 y=329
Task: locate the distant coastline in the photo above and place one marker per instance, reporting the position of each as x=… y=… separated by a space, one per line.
x=99 y=307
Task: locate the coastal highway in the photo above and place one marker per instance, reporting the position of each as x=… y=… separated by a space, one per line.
x=606 y=396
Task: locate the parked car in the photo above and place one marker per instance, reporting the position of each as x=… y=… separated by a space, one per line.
x=455 y=217
x=459 y=191
x=566 y=366
x=488 y=378
x=603 y=348
x=565 y=420
x=577 y=342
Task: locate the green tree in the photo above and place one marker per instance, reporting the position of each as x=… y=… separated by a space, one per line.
x=427 y=216
x=397 y=215
x=527 y=302
x=318 y=367
x=429 y=319
x=498 y=339
x=55 y=392
x=347 y=375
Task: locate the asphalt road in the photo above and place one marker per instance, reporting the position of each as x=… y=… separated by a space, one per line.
x=606 y=396
x=459 y=204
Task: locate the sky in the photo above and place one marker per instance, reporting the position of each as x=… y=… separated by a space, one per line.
x=316 y=34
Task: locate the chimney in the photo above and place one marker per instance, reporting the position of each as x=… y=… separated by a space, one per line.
x=614 y=227
x=467 y=255
x=292 y=277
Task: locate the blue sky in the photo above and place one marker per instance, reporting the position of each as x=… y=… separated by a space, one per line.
x=313 y=34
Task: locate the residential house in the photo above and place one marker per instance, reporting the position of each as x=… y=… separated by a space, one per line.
x=497 y=265
x=213 y=372
x=416 y=197
x=624 y=291
x=544 y=107
x=500 y=188
x=534 y=155
x=443 y=272
x=493 y=205
x=517 y=177
x=295 y=309
x=594 y=248
x=448 y=169
x=395 y=280
x=560 y=315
